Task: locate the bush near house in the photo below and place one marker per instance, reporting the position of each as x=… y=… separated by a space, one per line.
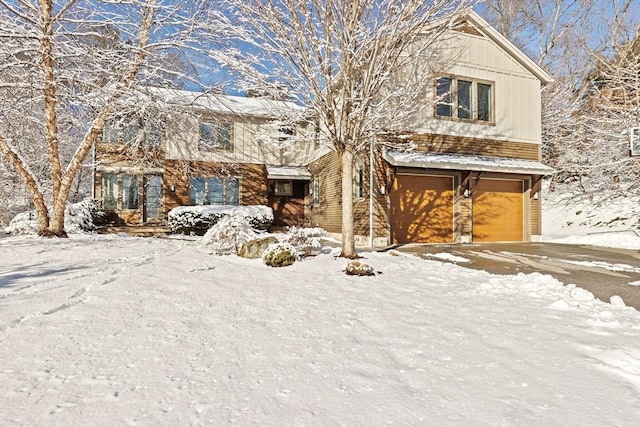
x=280 y=255
x=306 y=241
x=78 y=217
x=228 y=235
x=198 y=219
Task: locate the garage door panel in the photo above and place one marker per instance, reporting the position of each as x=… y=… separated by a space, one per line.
x=422 y=209
x=498 y=211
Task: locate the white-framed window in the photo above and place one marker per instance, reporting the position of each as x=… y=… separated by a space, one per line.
x=129 y=192
x=283 y=187
x=214 y=191
x=110 y=192
x=464 y=99
x=119 y=130
x=215 y=135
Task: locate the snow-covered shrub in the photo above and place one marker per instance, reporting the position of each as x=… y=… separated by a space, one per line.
x=227 y=236
x=78 y=217
x=280 y=255
x=306 y=241
x=198 y=219
x=357 y=268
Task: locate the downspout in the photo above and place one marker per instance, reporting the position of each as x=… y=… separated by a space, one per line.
x=93 y=171
x=371 y=189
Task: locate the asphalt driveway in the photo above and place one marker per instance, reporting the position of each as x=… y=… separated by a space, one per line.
x=603 y=271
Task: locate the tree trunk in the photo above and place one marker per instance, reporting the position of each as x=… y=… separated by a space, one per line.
x=50 y=95
x=56 y=228
x=348 y=242
x=31 y=183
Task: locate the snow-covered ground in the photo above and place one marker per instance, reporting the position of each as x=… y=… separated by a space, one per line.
x=131 y=331
x=571 y=216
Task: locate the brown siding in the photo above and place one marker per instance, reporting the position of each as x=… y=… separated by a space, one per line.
x=130 y=155
x=361 y=205
x=253 y=180
x=473 y=146
x=328 y=213
x=536 y=215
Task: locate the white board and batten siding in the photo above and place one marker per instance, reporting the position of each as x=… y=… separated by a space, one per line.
x=517 y=101
x=247 y=147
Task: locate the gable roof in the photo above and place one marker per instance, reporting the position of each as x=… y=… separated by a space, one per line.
x=227 y=104
x=479 y=24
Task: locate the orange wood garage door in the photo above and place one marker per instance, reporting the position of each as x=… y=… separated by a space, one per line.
x=422 y=209
x=497 y=211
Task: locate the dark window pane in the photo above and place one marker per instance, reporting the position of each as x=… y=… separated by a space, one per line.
x=110 y=132
x=464 y=99
x=130 y=132
x=443 y=94
x=484 y=102
x=215 y=191
x=109 y=192
x=129 y=192
x=232 y=191
x=215 y=136
x=196 y=192
x=153 y=134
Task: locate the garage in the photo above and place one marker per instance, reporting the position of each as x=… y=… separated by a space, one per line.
x=497 y=206
x=422 y=209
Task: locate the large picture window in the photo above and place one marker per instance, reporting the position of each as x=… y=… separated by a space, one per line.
x=464 y=99
x=214 y=191
x=215 y=136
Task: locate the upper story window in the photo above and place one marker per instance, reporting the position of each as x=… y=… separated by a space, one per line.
x=464 y=99
x=215 y=136
x=123 y=130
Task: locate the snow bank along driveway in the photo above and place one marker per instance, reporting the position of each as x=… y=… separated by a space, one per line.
x=148 y=332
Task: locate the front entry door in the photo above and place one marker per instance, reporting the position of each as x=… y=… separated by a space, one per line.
x=152 y=197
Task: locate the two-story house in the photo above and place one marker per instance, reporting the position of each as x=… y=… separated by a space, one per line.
x=474 y=173
x=207 y=149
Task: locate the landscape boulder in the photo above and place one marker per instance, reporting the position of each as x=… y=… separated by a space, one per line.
x=255 y=248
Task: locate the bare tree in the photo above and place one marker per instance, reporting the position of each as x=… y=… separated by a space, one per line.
x=67 y=66
x=613 y=97
x=341 y=59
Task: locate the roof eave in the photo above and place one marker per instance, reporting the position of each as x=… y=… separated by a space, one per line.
x=426 y=164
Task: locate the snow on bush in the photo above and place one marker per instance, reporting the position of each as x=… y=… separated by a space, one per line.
x=78 y=218
x=280 y=255
x=306 y=241
x=227 y=236
x=198 y=219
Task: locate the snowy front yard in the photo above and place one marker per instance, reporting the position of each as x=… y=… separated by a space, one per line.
x=126 y=331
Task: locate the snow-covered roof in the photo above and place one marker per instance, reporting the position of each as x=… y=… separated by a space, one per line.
x=288 y=172
x=427 y=160
x=227 y=104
